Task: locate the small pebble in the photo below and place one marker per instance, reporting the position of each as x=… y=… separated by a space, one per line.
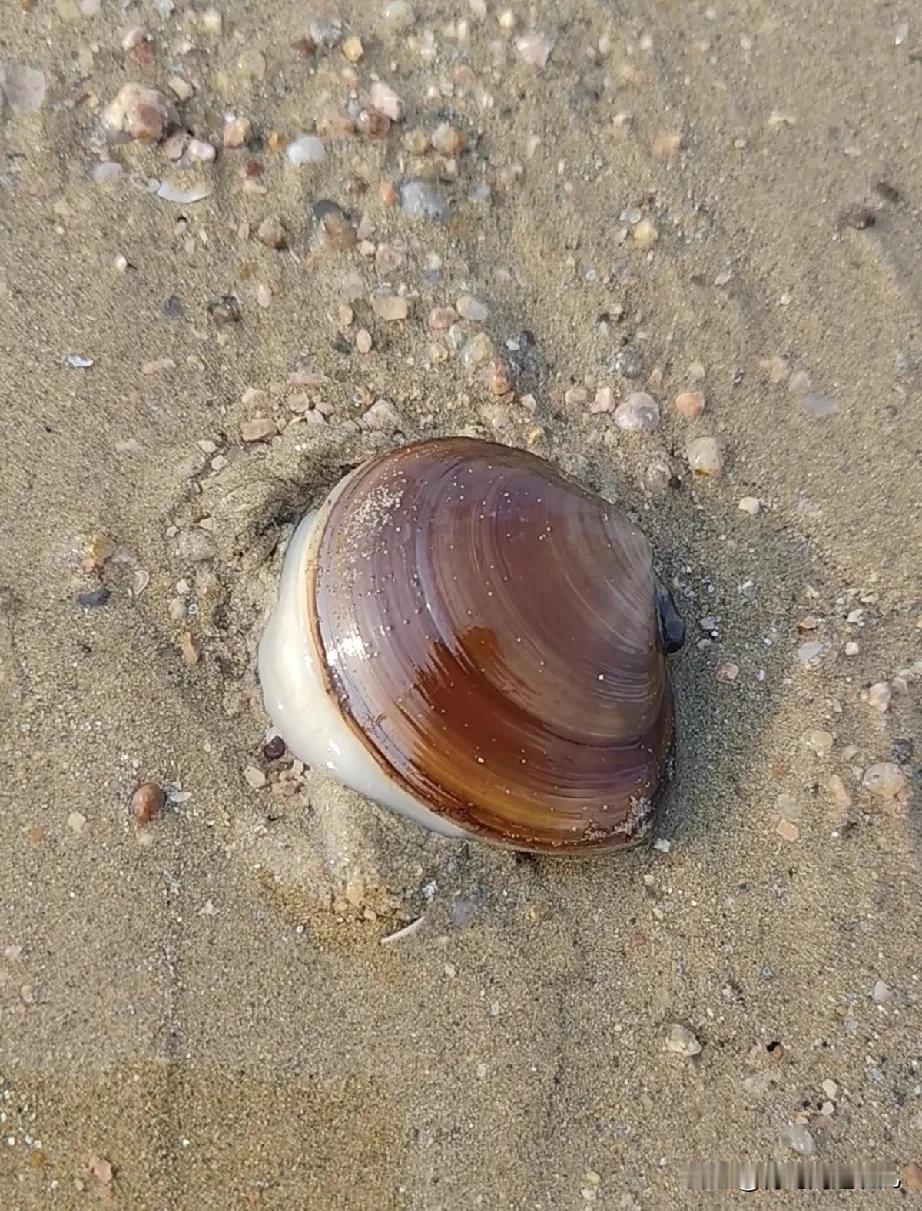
x=76 y=822
x=305 y=149
x=236 y=132
x=882 y=993
x=887 y=783
x=94 y=598
x=681 y=1041
x=353 y=49
x=534 y=49
x=819 y=741
x=639 y=413
x=879 y=696
x=704 y=457
x=448 y=140
x=728 y=672
x=98 y=551
x=140 y=113
x=225 y=310
x=200 y=151
x=274 y=748
x=180 y=88
x=385 y=101
x=628 y=363
x=325 y=31
x=363 y=340
x=373 y=124
x=470 y=308
x=188 y=649
x=478 y=351
x=260 y=429
x=442 y=318
x=336 y=228
x=751 y=505
x=644 y=234
x=603 y=401
x=798 y=1138
x=383 y=416
x=690 y=404
x=146 y=803
x=420 y=200
x=390 y=307
x=787 y=830
x=271 y=232
x=911 y=1177
x=254 y=777
x=399 y=15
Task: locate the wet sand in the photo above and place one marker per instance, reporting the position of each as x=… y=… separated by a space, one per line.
x=200 y=1012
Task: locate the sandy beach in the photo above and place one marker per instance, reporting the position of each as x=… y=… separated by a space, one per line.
x=244 y=247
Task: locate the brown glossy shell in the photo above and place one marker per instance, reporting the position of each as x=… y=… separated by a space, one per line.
x=489 y=629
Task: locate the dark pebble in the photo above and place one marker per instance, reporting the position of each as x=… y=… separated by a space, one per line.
x=274 y=748
x=95 y=598
x=902 y=751
x=628 y=363
x=172 y=308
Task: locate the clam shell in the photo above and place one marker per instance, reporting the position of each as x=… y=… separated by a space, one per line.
x=488 y=633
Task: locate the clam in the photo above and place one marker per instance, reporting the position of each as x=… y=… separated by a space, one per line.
x=468 y=637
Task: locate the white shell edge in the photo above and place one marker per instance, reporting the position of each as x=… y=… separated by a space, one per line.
x=302 y=711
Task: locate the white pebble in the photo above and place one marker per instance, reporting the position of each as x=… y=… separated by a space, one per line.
x=881 y=993
x=799 y=1139
x=305 y=149
x=385 y=101
x=639 y=413
x=254 y=777
x=399 y=14
x=681 y=1041
x=704 y=457
x=534 y=49
x=200 y=150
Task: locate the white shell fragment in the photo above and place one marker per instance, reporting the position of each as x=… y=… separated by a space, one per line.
x=183 y=197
